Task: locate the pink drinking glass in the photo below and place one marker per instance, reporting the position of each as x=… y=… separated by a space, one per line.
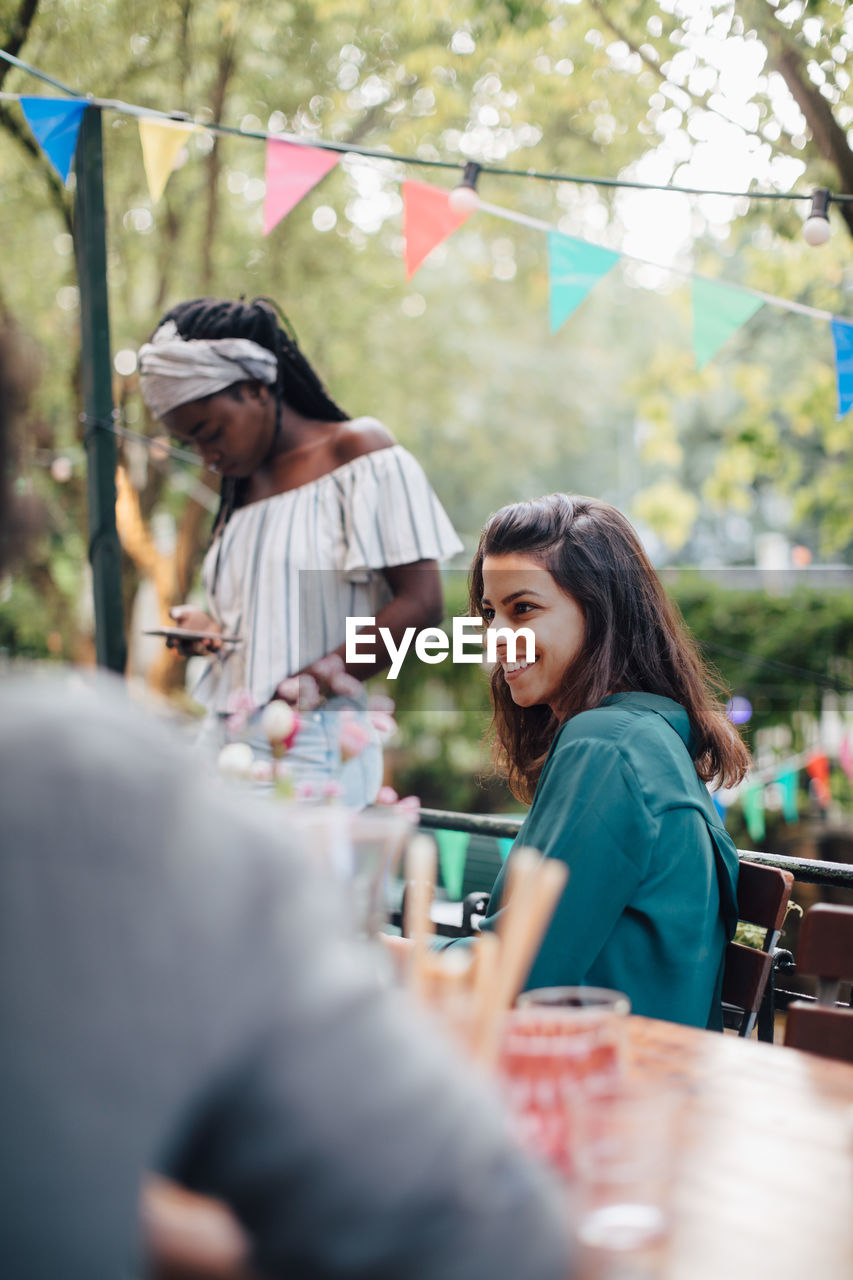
x=551 y=1050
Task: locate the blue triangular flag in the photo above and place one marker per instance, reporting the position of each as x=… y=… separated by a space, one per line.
x=842 y=336
x=573 y=268
x=55 y=123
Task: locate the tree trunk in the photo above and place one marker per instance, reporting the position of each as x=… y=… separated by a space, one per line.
x=213 y=166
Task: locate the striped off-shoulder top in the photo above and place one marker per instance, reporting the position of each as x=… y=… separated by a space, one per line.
x=287 y=571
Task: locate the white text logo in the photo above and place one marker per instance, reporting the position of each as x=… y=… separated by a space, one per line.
x=433 y=645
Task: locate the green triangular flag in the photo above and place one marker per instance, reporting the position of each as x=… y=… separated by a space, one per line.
x=753 y=812
x=573 y=268
x=505 y=843
x=719 y=310
x=452 y=850
x=787 y=784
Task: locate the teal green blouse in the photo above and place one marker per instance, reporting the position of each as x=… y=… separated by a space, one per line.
x=650 y=901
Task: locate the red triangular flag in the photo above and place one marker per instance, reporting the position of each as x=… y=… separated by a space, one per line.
x=817 y=767
x=427 y=220
x=291 y=171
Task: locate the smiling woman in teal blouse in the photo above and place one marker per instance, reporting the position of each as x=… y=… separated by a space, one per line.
x=612 y=729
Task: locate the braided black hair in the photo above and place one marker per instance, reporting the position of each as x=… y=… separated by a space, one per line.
x=262 y=321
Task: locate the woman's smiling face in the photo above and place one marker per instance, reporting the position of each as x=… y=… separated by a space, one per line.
x=519 y=592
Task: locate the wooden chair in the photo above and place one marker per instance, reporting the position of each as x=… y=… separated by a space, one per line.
x=825 y=952
x=763 y=895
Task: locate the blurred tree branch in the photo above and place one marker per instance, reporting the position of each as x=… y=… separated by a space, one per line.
x=59 y=197
x=13 y=41
x=829 y=137
x=19 y=29
x=226 y=66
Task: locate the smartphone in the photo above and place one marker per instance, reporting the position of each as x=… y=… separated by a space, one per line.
x=184 y=633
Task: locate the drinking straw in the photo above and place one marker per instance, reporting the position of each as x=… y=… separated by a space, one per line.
x=548 y=883
x=420 y=874
x=446 y=977
x=534 y=885
x=494 y=974
x=514 y=923
x=485 y=996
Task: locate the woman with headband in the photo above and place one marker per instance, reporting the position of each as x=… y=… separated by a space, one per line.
x=321 y=517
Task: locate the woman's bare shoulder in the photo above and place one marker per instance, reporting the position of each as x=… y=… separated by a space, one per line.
x=360 y=436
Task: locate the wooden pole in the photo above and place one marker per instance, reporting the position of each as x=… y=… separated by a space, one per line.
x=90 y=250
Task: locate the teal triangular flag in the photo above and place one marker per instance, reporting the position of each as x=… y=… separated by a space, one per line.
x=55 y=123
x=719 y=310
x=787 y=784
x=574 y=267
x=753 y=812
x=505 y=843
x=842 y=336
x=452 y=850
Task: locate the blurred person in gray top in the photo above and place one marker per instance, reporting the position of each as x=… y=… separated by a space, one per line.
x=177 y=993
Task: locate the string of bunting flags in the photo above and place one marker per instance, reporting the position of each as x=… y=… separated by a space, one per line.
x=777 y=787
x=430 y=216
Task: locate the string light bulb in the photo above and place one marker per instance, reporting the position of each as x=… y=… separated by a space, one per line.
x=464 y=198
x=816 y=228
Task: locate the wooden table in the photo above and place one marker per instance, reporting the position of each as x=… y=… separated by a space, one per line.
x=765 y=1186
x=765 y=1189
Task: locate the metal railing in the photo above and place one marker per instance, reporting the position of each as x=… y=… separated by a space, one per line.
x=806 y=870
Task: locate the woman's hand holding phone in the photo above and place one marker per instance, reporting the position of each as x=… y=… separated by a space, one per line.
x=193 y=619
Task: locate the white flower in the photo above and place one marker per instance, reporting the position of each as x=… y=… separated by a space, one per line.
x=277 y=721
x=262 y=771
x=235 y=760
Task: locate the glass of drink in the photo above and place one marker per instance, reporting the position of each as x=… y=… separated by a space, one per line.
x=551 y=1050
x=359 y=850
x=624 y=1146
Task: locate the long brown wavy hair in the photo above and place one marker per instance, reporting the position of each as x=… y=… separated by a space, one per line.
x=634 y=637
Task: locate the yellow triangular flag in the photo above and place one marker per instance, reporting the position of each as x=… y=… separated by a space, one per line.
x=161 y=143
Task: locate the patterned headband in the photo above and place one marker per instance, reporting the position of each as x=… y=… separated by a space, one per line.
x=175 y=370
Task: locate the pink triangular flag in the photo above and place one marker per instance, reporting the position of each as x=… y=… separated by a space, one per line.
x=845 y=758
x=291 y=171
x=427 y=220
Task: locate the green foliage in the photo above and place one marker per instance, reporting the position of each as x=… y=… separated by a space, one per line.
x=782 y=651
x=458 y=361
